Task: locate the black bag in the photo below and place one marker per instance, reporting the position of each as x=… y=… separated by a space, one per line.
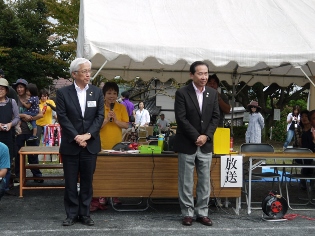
x=122 y=146
x=131 y=119
x=293 y=125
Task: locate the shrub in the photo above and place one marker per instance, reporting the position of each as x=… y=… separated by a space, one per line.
x=279 y=130
x=239 y=132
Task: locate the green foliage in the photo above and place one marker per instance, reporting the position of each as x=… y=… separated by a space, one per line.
x=300 y=102
x=279 y=129
x=66 y=14
x=27 y=49
x=98 y=80
x=239 y=132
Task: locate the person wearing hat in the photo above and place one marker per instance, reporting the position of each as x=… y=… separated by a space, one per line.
x=255 y=124
x=224 y=106
x=21 y=139
x=11 y=93
x=9 y=118
x=162 y=123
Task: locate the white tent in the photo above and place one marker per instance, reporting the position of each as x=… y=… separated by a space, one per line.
x=257 y=40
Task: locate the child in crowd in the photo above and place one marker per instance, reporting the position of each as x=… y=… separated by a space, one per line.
x=32 y=108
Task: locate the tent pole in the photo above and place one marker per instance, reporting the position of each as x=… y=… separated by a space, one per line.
x=233 y=98
x=307 y=76
x=311 y=103
x=99 y=69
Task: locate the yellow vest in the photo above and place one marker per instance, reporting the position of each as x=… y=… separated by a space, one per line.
x=47 y=118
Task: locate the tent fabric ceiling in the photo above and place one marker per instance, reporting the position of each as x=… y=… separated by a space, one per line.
x=162 y=38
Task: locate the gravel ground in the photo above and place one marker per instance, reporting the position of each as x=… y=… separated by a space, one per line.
x=41 y=212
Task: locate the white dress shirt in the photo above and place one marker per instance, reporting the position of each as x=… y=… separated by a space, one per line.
x=81 y=96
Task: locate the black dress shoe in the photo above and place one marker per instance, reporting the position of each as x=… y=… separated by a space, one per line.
x=69 y=221
x=187 y=221
x=204 y=220
x=86 y=220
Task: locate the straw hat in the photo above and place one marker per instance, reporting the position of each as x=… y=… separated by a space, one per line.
x=253 y=104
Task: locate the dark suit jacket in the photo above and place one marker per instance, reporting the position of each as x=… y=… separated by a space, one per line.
x=72 y=123
x=191 y=123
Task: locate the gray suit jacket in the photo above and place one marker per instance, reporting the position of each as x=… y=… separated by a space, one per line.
x=73 y=123
x=191 y=123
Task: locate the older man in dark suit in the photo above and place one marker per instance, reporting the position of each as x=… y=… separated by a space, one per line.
x=197 y=116
x=80 y=110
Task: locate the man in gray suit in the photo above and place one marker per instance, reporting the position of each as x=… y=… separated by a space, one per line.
x=197 y=115
x=80 y=110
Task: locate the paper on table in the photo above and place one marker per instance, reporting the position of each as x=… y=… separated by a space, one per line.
x=120 y=152
x=132 y=151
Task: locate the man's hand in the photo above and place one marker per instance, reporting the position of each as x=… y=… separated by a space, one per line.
x=81 y=139
x=83 y=144
x=201 y=140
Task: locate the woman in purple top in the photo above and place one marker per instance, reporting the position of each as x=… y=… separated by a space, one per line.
x=129 y=106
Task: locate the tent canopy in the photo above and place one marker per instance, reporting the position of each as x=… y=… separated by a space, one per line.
x=162 y=38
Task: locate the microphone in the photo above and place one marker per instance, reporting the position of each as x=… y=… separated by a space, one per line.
x=111 y=106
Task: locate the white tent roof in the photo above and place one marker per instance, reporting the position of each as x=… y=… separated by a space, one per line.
x=161 y=38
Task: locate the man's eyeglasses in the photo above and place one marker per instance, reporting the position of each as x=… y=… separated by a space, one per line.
x=84 y=71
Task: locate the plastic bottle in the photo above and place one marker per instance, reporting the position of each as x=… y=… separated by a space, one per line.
x=161 y=141
x=231 y=143
x=44 y=109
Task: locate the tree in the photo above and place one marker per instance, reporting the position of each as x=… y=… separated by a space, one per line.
x=28 y=51
x=269 y=98
x=65 y=14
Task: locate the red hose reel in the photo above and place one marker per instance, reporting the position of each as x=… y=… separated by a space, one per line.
x=274 y=205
